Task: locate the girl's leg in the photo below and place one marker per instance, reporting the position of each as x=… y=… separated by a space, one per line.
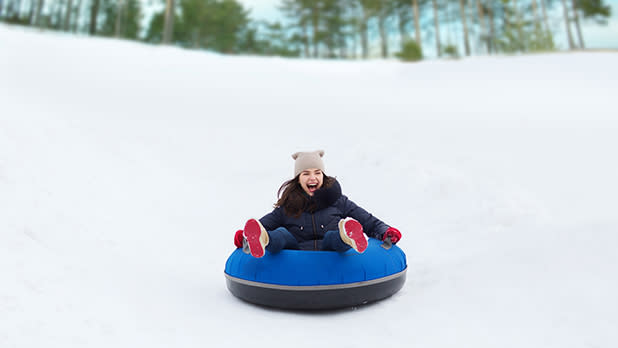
x=332 y=241
x=281 y=238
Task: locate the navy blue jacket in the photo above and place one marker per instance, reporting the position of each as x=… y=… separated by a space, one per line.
x=331 y=206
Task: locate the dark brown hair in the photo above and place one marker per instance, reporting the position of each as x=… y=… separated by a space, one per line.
x=294 y=200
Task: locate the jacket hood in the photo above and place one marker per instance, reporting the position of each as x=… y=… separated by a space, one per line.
x=325 y=196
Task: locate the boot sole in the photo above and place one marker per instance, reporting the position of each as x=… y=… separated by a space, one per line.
x=256 y=237
x=351 y=232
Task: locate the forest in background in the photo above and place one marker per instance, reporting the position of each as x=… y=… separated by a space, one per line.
x=335 y=29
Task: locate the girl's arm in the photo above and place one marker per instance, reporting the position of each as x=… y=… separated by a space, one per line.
x=273 y=219
x=372 y=226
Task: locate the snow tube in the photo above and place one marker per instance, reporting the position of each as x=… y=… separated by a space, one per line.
x=295 y=279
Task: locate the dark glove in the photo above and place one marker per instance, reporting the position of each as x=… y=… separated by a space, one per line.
x=393 y=234
x=238 y=238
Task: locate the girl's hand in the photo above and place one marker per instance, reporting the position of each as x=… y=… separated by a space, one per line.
x=393 y=234
x=238 y=238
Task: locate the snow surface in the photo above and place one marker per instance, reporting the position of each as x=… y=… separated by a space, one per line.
x=125 y=170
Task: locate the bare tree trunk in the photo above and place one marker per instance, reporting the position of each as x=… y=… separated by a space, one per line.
x=491 y=40
x=76 y=17
x=18 y=8
x=195 y=37
x=354 y=47
x=31 y=10
x=8 y=8
x=577 y=25
x=383 y=36
x=58 y=18
x=168 y=27
x=481 y=14
x=403 y=35
x=545 y=18
x=365 y=39
x=568 y=24
x=315 y=23
x=417 y=22
x=37 y=15
x=520 y=30
x=12 y=10
x=449 y=26
x=67 y=15
x=343 y=47
x=535 y=13
x=364 y=28
x=464 y=22
x=306 y=39
x=436 y=21
x=94 y=14
x=119 y=11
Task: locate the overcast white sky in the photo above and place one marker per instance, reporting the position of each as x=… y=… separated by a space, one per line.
x=262 y=9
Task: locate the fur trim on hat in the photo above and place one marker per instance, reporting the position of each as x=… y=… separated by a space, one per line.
x=308 y=160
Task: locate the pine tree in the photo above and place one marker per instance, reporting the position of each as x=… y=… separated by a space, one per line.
x=218 y=25
x=121 y=18
x=592 y=9
x=595 y=9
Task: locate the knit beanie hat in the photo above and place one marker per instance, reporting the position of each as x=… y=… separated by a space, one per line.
x=308 y=160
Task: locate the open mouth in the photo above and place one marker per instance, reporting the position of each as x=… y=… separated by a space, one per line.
x=312 y=187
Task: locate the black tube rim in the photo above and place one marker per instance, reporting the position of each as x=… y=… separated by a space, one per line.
x=316 y=297
x=316 y=287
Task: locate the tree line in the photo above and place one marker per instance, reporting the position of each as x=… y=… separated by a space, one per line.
x=345 y=29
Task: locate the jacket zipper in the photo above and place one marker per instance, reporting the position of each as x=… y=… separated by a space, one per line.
x=315 y=233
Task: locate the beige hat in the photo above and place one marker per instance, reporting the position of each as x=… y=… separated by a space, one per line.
x=308 y=160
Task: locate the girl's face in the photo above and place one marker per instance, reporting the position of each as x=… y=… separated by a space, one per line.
x=311 y=180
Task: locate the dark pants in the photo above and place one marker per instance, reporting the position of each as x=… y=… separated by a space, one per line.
x=281 y=238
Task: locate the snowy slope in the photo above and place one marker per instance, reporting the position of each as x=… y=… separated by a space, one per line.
x=125 y=170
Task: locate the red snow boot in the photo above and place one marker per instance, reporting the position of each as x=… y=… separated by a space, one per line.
x=351 y=232
x=256 y=236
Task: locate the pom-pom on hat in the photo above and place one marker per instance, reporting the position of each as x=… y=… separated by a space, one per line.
x=308 y=160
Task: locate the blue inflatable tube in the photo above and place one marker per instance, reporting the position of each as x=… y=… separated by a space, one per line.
x=294 y=279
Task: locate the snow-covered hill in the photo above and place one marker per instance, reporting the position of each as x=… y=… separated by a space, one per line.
x=125 y=170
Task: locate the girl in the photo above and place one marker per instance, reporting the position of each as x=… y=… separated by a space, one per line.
x=312 y=214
